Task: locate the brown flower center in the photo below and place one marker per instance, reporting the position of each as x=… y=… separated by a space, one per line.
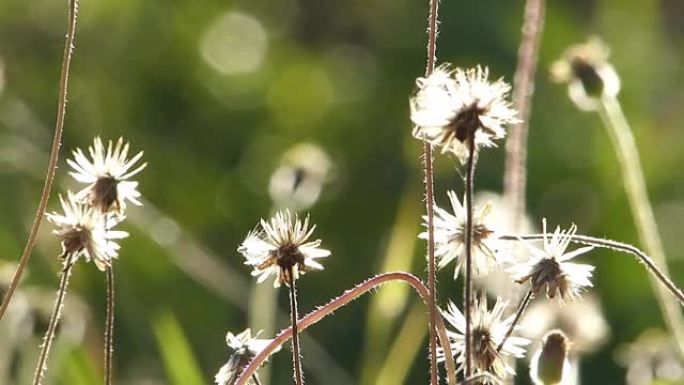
x=484 y=349
x=466 y=123
x=588 y=75
x=104 y=193
x=75 y=240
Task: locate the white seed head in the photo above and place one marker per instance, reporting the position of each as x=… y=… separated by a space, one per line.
x=244 y=347
x=550 y=365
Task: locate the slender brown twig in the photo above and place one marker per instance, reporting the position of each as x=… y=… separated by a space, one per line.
x=429 y=202
x=41 y=366
x=617 y=246
x=468 y=292
x=296 y=357
x=341 y=301
x=521 y=309
x=515 y=175
x=109 y=326
x=54 y=156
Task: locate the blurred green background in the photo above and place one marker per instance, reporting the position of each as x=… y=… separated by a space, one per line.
x=215 y=92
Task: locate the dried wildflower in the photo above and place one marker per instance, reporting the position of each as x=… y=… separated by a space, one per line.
x=453 y=106
x=85 y=231
x=244 y=347
x=107 y=175
x=550 y=365
x=589 y=75
x=548 y=269
x=488 y=331
x=582 y=321
x=652 y=359
x=282 y=246
x=298 y=181
x=450 y=237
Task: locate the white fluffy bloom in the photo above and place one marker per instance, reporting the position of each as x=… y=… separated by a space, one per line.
x=548 y=268
x=488 y=331
x=450 y=105
x=282 y=245
x=107 y=175
x=450 y=238
x=244 y=347
x=82 y=231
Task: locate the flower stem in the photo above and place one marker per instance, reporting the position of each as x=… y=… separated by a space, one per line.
x=468 y=292
x=429 y=203
x=256 y=379
x=515 y=175
x=109 y=326
x=635 y=186
x=54 y=156
x=521 y=309
x=343 y=300
x=296 y=357
x=617 y=246
x=41 y=366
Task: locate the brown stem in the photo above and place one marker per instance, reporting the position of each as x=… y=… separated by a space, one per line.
x=617 y=246
x=256 y=379
x=296 y=357
x=343 y=300
x=468 y=292
x=428 y=171
x=515 y=175
x=54 y=156
x=109 y=326
x=521 y=309
x=41 y=366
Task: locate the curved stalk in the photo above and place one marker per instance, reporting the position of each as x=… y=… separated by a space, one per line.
x=341 y=301
x=635 y=186
x=54 y=156
x=617 y=246
x=41 y=366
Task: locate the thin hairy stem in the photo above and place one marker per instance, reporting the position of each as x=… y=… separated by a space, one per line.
x=41 y=366
x=341 y=301
x=635 y=186
x=651 y=266
x=428 y=171
x=521 y=310
x=515 y=175
x=54 y=156
x=468 y=292
x=256 y=379
x=109 y=326
x=296 y=356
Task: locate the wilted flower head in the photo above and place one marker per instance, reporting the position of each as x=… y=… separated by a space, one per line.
x=548 y=269
x=488 y=331
x=85 y=231
x=244 y=347
x=107 y=175
x=450 y=237
x=550 y=364
x=298 y=181
x=453 y=106
x=281 y=249
x=589 y=75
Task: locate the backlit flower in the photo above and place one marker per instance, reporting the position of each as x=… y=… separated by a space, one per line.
x=488 y=331
x=550 y=364
x=281 y=248
x=86 y=232
x=107 y=175
x=244 y=347
x=450 y=238
x=451 y=107
x=548 y=269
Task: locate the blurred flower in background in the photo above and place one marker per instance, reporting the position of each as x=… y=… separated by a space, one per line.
x=652 y=359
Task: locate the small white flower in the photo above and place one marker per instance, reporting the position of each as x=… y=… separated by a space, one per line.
x=488 y=331
x=282 y=246
x=82 y=231
x=589 y=75
x=550 y=364
x=548 y=269
x=451 y=105
x=244 y=347
x=107 y=175
x=450 y=238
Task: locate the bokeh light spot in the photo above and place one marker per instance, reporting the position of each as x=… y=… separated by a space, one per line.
x=235 y=44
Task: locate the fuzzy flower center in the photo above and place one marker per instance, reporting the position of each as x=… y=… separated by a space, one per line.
x=466 y=122
x=104 y=192
x=75 y=240
x=480 y=233
x=484 y=348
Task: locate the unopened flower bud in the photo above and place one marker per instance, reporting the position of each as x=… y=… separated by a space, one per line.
x=550 y=363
